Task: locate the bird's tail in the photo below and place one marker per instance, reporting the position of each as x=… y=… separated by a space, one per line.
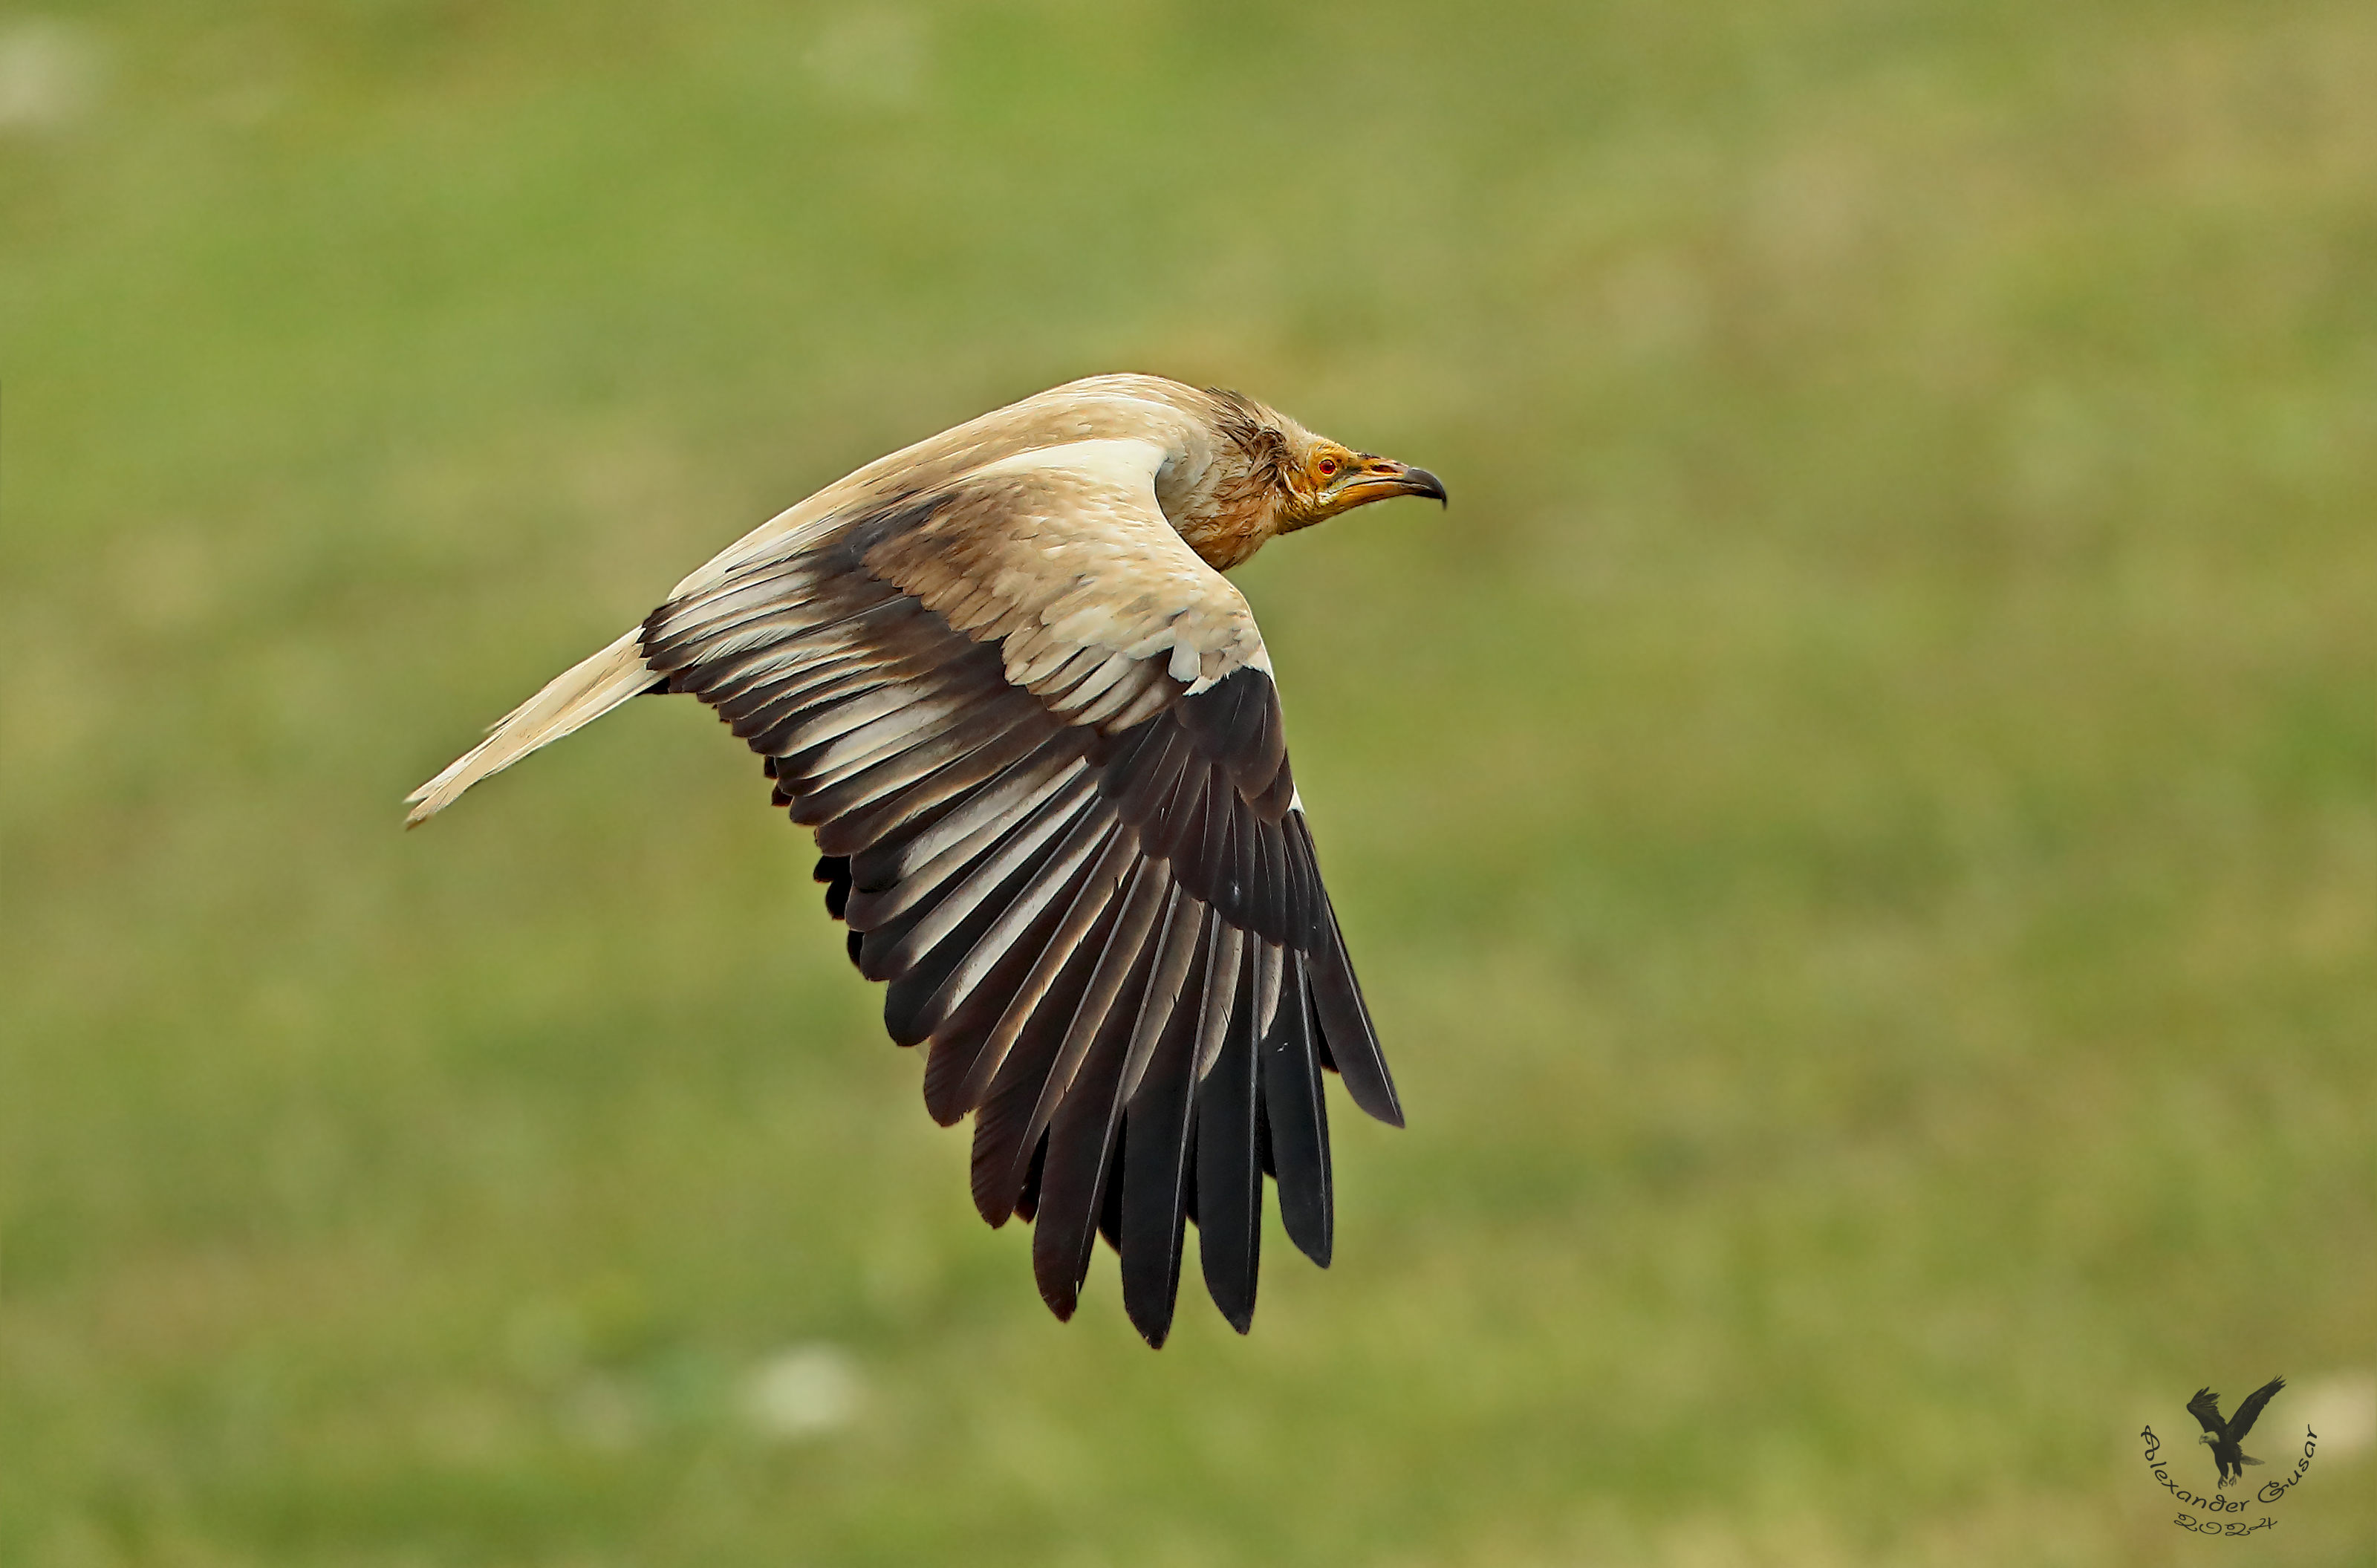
x=578 y=696
x=2249 y=1459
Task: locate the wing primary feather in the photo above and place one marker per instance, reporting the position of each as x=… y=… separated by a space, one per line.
x=1027 y=1200
x=1345 y=1027
x=834 y=871
x=1082 y=1133
x=1154 y=1151
x=1229 y=1169
x=1306 y=926
x=1299 y=1117
x=1110 y=1197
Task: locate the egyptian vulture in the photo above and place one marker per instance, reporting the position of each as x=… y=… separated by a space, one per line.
x=1001 y=676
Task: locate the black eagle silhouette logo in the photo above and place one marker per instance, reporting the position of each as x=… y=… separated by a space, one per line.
x=2226 y=1439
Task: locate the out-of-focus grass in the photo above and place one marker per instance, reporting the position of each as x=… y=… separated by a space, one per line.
x=1861 y=825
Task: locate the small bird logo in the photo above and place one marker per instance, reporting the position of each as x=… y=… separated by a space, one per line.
x=2226 y=1438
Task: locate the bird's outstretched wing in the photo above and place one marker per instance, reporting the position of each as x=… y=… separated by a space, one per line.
x=2247 y=1413
x=2206 y=1409
x=1039 y=743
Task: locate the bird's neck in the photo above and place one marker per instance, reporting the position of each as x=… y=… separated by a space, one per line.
x=1218 y=504
x=1228 y=537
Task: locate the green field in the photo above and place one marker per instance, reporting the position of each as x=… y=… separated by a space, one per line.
x=1859 y=825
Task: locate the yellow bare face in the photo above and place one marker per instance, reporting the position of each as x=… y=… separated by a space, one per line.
x=1333 y=478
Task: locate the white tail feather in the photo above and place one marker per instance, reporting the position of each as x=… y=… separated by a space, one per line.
x=578 y=696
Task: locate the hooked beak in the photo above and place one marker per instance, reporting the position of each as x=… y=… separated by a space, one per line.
x=1380 y=479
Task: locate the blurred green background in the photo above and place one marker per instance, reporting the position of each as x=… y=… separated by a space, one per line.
x=1859 y=825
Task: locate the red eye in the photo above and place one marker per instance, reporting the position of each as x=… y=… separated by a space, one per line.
x=1326 y=467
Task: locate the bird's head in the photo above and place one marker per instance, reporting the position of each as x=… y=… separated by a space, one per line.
x=1267 y=476
x=2207 y=1440
x=1321 y=478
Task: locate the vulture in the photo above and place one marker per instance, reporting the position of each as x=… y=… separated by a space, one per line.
x=2227 y=1439
x=1001 y=677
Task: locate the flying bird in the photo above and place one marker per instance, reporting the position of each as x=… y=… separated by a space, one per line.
x=1034 y=729
x=2226 y=1438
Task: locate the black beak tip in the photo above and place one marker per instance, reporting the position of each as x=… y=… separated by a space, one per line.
x=1423 y=483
